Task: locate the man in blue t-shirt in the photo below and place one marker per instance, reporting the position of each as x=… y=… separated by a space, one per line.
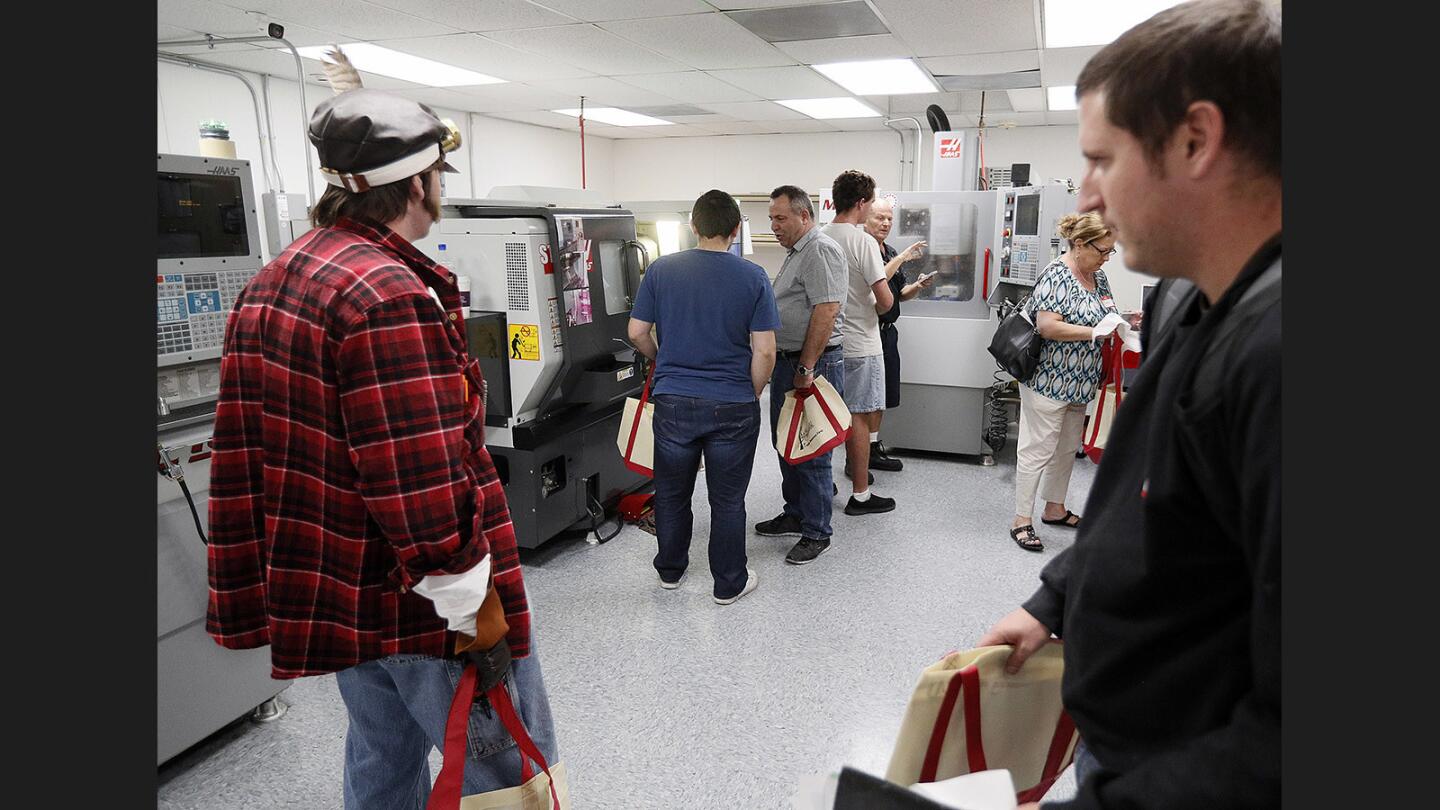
x=715 y=318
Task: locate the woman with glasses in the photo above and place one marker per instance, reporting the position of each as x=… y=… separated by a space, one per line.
x=1071 y=296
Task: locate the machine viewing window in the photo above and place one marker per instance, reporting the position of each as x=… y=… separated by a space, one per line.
x=1027 y=215
x=951 y=231
x=612 y=271
x=200 y=216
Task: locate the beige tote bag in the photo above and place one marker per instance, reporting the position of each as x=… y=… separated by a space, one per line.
x=813 y=421
x=636 y=438
x=966 y=715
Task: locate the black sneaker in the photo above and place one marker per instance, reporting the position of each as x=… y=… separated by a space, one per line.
x=883 y=461
x=875 y=504
x=781 y=525
x=807 y=550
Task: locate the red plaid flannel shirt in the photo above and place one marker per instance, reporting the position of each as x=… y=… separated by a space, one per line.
x=349 y=459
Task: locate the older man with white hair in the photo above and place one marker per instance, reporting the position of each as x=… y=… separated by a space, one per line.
x=882 y=216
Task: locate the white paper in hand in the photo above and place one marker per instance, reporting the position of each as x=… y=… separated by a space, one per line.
x=986 y=790
x=1109 y=323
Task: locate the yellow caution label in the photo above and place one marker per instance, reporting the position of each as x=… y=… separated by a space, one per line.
x=524 y=341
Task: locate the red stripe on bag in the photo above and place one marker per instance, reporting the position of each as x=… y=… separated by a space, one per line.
x=445 y=795
x=937 y=736
x=500 y=699
x=635 y=423
x=795 y=414
x=834 y=423
x=974 y=746
x=1054 y=760
x=450 y=783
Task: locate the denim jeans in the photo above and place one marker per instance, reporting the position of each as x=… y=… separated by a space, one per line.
x=725 y=433
x=806 y=487
x=398 y=707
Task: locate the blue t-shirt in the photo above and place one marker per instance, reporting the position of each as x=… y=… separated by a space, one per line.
x=1069 y=370
x=704 y=305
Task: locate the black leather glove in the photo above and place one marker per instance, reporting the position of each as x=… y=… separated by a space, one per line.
x=491 y=665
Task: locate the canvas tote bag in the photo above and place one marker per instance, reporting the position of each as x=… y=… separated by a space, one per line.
x=813 y=421
x=636 y=438
x=546 y=789
x=966 y=715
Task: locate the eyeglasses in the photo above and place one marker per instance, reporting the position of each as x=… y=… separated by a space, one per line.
x=1106 y=253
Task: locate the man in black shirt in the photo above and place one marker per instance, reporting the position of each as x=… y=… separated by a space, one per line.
x=1169 y=601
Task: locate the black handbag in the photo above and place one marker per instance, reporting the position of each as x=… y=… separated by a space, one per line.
x=1016 y=345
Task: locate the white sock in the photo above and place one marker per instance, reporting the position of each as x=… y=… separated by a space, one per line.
x=861 y=496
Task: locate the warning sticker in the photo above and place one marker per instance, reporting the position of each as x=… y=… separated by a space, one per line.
x=555 y=335
x=524 y=341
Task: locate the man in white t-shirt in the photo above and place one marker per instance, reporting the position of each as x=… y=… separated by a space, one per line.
x=869 y=295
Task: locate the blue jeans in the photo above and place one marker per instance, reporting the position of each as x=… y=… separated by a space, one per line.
x=725 y=434
x=398 y=707
x=806 y=487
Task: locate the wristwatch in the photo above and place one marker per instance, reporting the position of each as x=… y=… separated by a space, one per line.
x=808 y=372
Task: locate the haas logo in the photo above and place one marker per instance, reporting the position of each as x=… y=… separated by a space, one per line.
x=949 y=148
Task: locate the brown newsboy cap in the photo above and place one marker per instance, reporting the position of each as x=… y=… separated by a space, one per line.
x=368 y=138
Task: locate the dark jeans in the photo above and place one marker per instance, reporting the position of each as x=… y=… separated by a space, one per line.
x=806 y=487
x=725 y=433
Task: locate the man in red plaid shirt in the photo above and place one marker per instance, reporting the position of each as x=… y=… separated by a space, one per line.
x=357 y=523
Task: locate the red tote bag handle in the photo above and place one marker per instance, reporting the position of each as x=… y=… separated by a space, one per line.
x=967 y=680
x=451 y=781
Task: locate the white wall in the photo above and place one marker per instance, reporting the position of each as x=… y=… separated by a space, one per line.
x=495 y=152
x=685 y=168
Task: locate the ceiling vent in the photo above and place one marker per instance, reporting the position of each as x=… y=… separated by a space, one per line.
x=991 y=81
x=827 y=21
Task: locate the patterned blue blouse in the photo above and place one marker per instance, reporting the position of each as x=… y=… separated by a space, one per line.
x=1069 y=370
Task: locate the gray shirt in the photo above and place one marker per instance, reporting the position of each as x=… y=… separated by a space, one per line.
x=814 y=272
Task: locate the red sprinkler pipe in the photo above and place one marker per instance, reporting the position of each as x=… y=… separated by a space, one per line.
x=582 y=142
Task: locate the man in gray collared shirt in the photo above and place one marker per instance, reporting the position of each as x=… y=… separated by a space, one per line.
x=809 y=292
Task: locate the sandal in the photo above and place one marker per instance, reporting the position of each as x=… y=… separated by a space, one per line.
x=1031 y=541
x=1064 y=521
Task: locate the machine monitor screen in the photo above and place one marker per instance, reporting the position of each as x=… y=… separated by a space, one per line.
x=200 y=216
x=1027 y=215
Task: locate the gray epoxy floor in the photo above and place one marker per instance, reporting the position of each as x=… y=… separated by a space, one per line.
x=663 y=699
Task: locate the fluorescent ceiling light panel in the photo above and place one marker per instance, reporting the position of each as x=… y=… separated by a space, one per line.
x=1028 y=100
x=385 y=62
x=1074 y=23
x=1061 y=98
x=616 y=116
x=879 y=77
x=841 y=107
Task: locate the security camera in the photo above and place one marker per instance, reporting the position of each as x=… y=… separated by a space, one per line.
x=276 y=31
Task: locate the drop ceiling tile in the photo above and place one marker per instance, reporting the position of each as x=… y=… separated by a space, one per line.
x=514 y=97
x=705 y=41
x=484 y=55
x=1062 y=117
x=355 y=19
x=980 y=64
x=603 y=10
x=781 y=82
x=857 y=124
x=482 y=15
x=544 y=119
x=701 y=121
x=845 y=49
x=807 y=125
x=693 y=87
x=911 y=103
x=602 y=91
x=672 y=131
x=276 y=62
x=439 y=97
x=1063 y=65
x=755 y=111
x=947 y=28
x=589 y=47
x=211 y=18
x=164 y=32
x=995 y=101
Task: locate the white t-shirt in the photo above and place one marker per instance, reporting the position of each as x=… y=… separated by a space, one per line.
x=860 y=333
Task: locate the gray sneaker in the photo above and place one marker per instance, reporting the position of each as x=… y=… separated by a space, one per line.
x=670 y=586
x=750 y=582
x=807 y=550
